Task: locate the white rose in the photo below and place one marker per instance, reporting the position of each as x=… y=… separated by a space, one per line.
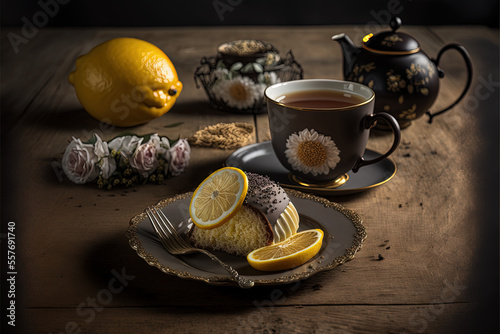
x=155 y=140
x=126 y=145
x=106 y=163
x=79 y=162
x=180 y=154
x=164 y=149
x=144 y=158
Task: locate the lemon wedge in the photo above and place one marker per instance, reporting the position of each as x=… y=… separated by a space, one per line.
x=293 y=252
x=218 y=198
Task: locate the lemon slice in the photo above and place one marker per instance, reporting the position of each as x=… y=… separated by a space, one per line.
x=294 y=251
x=218 y=197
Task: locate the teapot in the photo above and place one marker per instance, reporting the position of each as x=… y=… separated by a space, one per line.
x=405 y=80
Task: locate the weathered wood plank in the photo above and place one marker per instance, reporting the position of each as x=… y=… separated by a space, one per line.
x=268 y=318
x=424 y=222
x=47 y=53
x=376 y=210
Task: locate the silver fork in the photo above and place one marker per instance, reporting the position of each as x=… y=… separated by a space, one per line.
x=176 y=245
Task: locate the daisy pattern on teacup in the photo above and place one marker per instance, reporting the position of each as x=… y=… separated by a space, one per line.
x=311 y=152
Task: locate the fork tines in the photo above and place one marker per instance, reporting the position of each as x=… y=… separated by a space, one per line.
x=175 y=245
x=169 y=237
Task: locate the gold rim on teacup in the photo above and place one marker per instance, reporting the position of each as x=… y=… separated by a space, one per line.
x=341 y=180
x=354 y=106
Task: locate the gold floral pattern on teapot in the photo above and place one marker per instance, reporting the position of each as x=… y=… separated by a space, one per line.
x=391 y=40
x=405 y=80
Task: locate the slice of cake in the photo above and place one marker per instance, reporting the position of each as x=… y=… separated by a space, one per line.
x=266 y=216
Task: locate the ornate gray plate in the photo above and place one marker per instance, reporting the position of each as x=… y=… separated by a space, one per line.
x=343 y=236
x=260 y=158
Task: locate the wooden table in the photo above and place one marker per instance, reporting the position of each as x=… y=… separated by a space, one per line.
x=435 y=224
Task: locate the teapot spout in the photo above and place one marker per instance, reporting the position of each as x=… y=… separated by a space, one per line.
x=349 y=51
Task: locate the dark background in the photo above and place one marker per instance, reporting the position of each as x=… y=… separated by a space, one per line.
x=249 y=12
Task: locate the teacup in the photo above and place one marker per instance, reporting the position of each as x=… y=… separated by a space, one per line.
x=320 y=128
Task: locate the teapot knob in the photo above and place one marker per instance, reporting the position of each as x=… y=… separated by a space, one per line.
x=440 y=73
x=395 y=23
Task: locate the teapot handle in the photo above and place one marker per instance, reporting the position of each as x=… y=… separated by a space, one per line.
x=468 y=63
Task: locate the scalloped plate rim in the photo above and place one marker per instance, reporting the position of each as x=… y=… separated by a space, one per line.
x=349 y=253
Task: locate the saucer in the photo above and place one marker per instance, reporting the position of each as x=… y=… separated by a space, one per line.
x=260 y=158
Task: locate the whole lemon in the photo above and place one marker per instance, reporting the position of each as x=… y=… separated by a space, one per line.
x=125 y=82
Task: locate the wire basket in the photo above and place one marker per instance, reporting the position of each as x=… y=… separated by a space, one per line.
x=236 y=78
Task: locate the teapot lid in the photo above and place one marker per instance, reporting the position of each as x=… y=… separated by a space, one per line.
x=391 y=42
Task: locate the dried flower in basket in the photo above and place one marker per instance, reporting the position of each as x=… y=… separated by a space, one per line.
x=235 y=79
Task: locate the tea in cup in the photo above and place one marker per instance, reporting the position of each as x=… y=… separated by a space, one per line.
x=320 y=128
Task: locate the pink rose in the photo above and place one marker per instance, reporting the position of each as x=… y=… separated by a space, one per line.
x=180 y=155
x=79 y=162
x=144 y=159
